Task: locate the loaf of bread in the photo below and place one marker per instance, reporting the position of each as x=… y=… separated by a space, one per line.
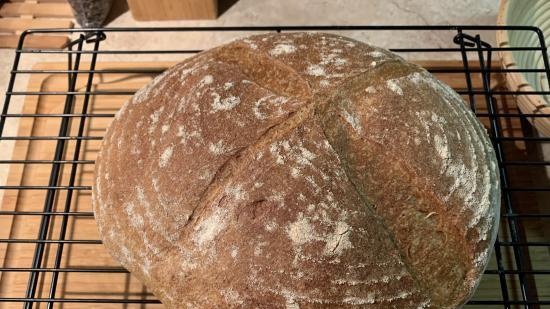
x=299 y=170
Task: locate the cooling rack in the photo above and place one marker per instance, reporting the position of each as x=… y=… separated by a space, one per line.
x=46 y=261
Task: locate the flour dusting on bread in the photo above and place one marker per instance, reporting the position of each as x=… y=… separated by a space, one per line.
x=247 y=180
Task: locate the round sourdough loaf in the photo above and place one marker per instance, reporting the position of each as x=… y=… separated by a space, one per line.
x=300 y=170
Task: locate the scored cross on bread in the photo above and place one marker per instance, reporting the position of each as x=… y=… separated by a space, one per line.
x=299 y=170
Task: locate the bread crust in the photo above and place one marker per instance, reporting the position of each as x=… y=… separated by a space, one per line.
x=301 y=170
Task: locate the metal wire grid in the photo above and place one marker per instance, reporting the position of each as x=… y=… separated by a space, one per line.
x=470 y=47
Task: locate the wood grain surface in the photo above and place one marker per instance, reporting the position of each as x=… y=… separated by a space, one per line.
x=17 y=16
x=117 y=285
x=36 y=9
x=19 y=24
x=145 y=10
x=34 y=41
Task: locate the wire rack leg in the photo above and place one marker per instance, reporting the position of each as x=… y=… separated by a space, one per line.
x=528 y=290
x=51 y=193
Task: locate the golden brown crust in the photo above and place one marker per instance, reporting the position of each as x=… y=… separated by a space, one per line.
x=298 y=171
x=420 y=173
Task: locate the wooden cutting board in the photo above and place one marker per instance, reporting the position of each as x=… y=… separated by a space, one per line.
x=123 y=285
x=19 y=15
x=146 y=10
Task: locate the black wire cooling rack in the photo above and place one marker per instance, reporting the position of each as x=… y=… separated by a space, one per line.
x=47 y=262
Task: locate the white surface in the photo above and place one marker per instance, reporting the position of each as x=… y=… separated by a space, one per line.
x=277 y=12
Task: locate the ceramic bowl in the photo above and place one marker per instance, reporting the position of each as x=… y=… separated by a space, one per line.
x=527 y=13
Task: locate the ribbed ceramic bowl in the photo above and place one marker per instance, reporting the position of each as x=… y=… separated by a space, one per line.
x=527 y=13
